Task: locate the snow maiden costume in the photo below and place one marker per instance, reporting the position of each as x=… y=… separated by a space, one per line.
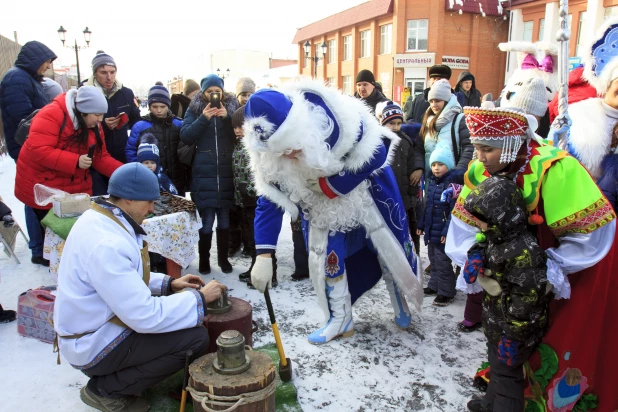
x=576 y=231
x=319 y=153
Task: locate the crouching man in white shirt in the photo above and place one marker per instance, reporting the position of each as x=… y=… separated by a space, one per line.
x=121 y=325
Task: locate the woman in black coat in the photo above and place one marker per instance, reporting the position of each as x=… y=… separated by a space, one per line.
x=212 y=185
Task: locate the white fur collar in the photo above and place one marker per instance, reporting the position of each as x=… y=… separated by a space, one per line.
x=70 y=101
x=590 y=135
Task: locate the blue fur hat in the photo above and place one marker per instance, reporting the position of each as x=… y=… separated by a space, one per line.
x=211 y=80
x=444 y=156
x=272 y=106
x=134 y=181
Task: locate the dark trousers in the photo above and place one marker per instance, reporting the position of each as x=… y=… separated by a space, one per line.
x=474 y=307
x=301 y=256
x=507 y=383
x=412 y=225
x=247 y=216
x=442 y=277
x=143 y=360
x=35 y=232
x=99 y=183
x=235 y=227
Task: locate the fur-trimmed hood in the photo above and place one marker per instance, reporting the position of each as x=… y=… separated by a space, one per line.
x=199 y=103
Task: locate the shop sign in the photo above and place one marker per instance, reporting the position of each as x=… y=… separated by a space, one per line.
x=456 y=62
x=415 y=60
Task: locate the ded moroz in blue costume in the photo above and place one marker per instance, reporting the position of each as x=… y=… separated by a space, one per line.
x=323 y=155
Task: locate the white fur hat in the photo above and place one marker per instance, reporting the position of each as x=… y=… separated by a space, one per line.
x=601 y=65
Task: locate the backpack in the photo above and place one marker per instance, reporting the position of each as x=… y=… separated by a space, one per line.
x=455 y=138
x=23 y=129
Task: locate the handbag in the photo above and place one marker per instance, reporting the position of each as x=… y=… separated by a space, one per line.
x=186 y=153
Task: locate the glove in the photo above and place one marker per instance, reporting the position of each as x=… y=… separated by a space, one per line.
x=262 y=273
x=475 y=265
x=314 y=185
x=447 y=195
x=8 y=221
x=508 y=349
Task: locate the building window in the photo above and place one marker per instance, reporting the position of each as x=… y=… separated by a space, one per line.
x=580 y=32
x=541 y=29
x=347 y=85
x=365 y=43
x=331 y=82
x=417 y=35
x=610 y=12
x=347 y=47
x=332 y=51
x=528 y=26
x=386 y=38
x=318 y=53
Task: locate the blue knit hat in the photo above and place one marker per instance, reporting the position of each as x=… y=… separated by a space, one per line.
x=102 y=59
x=390 y=112
x=444 y=156
x=211 y=80
x=272 y=106
x=148 y=149
x=159 y=94
x=134 y=181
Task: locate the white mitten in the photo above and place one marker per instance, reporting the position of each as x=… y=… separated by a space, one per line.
x=490 y=284
x=262 y=273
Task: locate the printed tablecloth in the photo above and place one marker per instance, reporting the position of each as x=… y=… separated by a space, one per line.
x=173 y=236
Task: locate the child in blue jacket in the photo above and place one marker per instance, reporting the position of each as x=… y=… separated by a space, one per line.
x=434 y=223
x=148 y=155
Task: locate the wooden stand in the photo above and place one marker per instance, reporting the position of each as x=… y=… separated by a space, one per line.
x=238 y=318
x=260 y=374
x=173 y=269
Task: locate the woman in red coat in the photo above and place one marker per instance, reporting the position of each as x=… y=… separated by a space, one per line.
x=56 y=151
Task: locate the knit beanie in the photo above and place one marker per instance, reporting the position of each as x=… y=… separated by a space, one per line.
x=391 y=111
x=190 y=86
x=90 y=100
x=52 y=88
x=440 y=90
x=134 y=181
x=245 y=85
x=148 y=149
x=102 y=59
x=440 y=70
x=365 y=76
x=530 y=97
x=444 y=156
x=159 y=94
x=211 y=80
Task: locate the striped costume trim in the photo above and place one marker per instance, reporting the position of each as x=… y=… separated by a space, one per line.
x=585 y=221
x=462 y=214
x=106 y=350
x=269 y=247
x=200 y=307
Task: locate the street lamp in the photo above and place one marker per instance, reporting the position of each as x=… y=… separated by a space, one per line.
x=62 y=34
x=224 y=75
x=315 y=58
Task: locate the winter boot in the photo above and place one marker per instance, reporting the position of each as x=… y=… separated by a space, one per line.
x=275 y=282
x=204 y=251
x=403 y=317
x=223 y=242
x=6 y=316
x=340 y=306
x=246 y=276
x=235 y=231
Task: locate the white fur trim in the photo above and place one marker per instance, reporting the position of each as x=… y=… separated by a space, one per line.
x=318 y=242
x=591 y=133
x=601 y=83
x=70 y=102
x=547 y=47
x=522 y=48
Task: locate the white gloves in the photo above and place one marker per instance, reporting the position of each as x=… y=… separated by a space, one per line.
x=262 y=273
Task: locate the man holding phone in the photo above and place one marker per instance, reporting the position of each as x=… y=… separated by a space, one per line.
x=122 y=112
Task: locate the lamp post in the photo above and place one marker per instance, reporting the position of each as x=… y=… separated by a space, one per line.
x=62 y=33
x=224 y=75
x=315 y=58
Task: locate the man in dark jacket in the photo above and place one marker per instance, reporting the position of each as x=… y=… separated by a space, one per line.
x=21 y=93
x=467 y=86
x=367 y=90
x=420 y=104
x=122 y=113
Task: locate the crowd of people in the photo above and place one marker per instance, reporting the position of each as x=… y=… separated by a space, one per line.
x=519 y=217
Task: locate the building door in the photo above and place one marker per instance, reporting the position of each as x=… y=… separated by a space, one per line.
x=416 y=86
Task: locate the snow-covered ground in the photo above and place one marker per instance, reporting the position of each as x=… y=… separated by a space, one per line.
x=381 y=368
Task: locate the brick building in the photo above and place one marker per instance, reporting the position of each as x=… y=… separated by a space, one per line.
x=398 y=40
x=537 y=20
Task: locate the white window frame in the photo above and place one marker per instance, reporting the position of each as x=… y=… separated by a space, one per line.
x=347 y=47
x=365 y=43
x=331 y=82
x=414 y=26
x=332 y=51
x=580 y=33
x=347 y=85
x=386 y=39
x=318 y=52
x=528 y=30
x=541 y=29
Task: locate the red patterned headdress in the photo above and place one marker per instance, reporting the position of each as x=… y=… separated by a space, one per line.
x=496 y=127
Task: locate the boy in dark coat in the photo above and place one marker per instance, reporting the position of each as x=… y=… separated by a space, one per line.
x=434 y=225
x=407 y=160
x=466 y=85
x=511 y=267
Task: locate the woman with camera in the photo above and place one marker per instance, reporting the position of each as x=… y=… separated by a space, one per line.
x=207 y=125
x=65 y=140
